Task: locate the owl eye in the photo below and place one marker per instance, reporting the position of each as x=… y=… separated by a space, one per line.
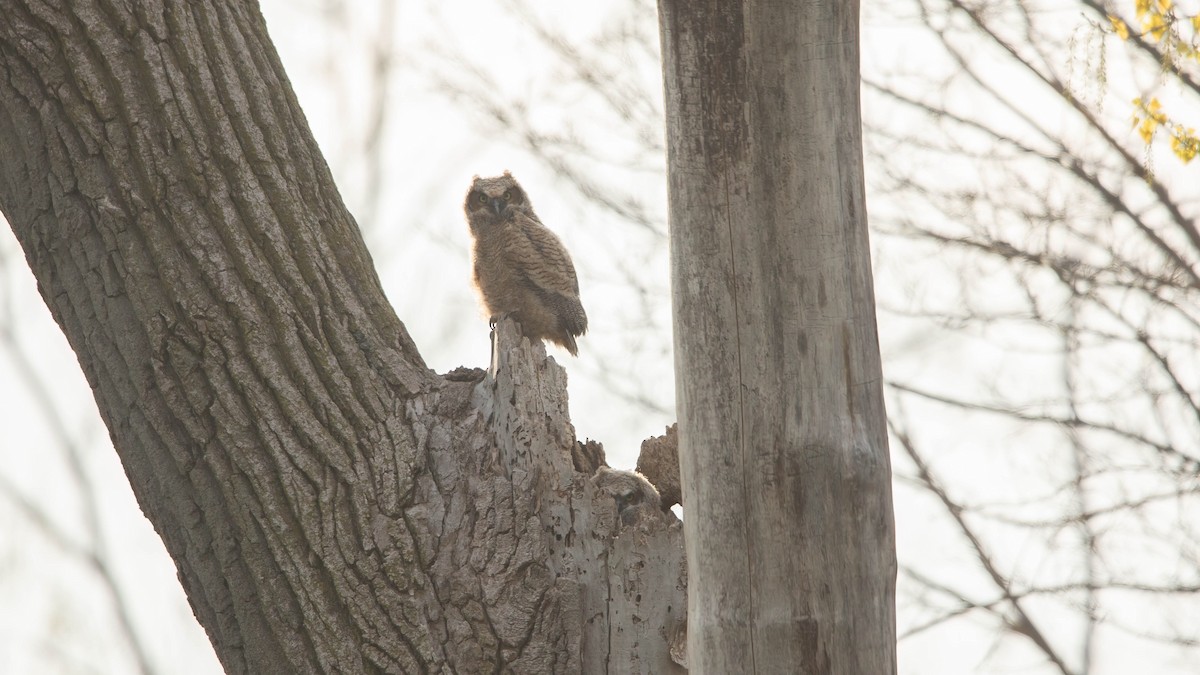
x=508 y=195
x=480 y=197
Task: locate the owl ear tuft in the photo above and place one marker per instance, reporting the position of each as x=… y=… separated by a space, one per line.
x=508 y=173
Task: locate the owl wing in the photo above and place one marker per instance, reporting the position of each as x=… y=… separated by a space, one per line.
x=546 y=267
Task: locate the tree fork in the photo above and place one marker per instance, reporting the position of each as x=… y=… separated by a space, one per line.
x=330 y=503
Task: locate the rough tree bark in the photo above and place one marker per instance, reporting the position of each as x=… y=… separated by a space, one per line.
x=783 y=446
x=331 y=504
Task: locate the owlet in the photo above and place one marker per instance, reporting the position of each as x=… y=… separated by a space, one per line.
x=521 y=268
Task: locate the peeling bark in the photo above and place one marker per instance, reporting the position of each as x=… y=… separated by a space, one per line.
x=330 y=503
x=617 y=591
x=658 y=461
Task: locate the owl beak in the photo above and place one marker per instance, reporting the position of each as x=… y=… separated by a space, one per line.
x=497 y=205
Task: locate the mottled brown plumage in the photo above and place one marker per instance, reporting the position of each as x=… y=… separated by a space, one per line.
x=521 y=267
x=636 y=498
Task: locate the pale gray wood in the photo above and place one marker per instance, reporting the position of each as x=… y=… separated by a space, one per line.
x=330 y=503
x=627 y=581
x=783 y=446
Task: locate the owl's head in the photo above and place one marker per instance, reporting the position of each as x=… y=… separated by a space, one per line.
x=494 y=200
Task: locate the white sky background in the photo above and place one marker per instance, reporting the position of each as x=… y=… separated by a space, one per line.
x=53 y=618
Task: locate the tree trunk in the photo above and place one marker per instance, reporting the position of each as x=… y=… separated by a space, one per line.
x=783 y=444
x=331 y=504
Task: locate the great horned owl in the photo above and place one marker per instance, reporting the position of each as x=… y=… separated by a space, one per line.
x=521 y=268
x=637 y=500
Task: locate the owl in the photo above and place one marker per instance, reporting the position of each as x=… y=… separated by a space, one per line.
x=521 y=268
x=635 y=497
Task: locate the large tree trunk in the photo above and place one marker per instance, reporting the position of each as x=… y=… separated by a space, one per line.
x=783 y=444
x=331 y=504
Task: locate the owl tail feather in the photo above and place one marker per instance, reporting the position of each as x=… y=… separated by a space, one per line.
x=567 y=340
